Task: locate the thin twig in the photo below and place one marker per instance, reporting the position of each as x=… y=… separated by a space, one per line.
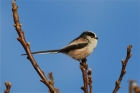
x=83 y=67
x=123 y=71
x=131 y=86
x=90 y=80
x=8 y=87
x=51 y=81
x=136 y=88
x=26 y=47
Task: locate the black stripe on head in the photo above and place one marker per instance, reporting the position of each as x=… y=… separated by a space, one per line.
x=84 y=34
x=88 y=33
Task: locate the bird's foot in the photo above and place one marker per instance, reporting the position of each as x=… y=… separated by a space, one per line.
x=83 y=63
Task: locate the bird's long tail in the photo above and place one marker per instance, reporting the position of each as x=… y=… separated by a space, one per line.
x=44 y=52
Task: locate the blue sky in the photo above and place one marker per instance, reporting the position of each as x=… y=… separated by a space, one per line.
x=52 y=24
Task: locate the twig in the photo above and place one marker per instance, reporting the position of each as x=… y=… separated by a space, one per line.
x=83 y=67
x=131 y=86
x=8 y=86
x=26 y=47
x=90 y=80
x=123 y=71
x=51 y=81
x=136 y=89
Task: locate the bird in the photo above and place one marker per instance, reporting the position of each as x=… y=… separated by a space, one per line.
x=79 y=48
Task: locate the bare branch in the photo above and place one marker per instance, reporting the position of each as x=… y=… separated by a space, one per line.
x=83 y=67
x=123 y=71
x=8 y=87
x=90 y=80
x=51 y=81
x=131 y=86
x=26 y=47
x=136 y=88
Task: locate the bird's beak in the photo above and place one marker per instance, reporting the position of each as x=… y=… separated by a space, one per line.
x=96 y=38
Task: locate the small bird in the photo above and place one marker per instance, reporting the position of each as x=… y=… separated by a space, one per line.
x=79 y=48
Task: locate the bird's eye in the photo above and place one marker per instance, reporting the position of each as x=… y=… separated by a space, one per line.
x=92 y=36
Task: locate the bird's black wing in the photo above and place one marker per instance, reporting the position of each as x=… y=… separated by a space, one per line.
x=75 y=44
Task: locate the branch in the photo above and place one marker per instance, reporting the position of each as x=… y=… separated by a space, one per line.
x=136 y=89
x=83 y=67
x=26 y=47
x=90 y=80
x=123 y=71
x=8 y=86
x=131 y=86
x=51 y=81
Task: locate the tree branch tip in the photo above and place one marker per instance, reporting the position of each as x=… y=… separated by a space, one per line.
x=130 y=46
x=131 y=81
x=136 y=88
x=8 y=84
x=122 y=60
x=123 y=71
x=15 y=7
x=134 y=84
x=13 y=1
x=50 y=75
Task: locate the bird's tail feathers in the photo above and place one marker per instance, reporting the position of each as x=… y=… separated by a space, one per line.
x=44 y=52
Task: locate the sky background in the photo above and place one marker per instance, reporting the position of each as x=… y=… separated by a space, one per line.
x=52 y=24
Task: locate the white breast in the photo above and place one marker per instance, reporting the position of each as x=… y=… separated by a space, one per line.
x=82 y=53
x=91 y=46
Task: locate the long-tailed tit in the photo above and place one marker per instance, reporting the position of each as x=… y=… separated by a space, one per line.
x=79 y=48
